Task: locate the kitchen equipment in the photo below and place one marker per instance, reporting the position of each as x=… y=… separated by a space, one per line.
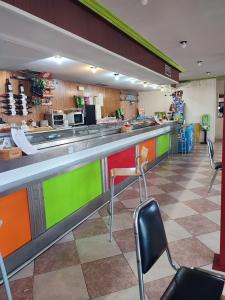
x=56 y=118
x=75 y=118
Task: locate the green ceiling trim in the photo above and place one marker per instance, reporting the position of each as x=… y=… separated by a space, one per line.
x=113 y=19
x=203 y=78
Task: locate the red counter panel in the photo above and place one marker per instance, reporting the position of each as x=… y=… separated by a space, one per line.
x=123 y=159
x=14 y=215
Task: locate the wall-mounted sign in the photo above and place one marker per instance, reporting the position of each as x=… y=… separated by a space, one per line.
x=168 y=71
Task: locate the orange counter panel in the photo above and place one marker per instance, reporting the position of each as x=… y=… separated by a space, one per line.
x=151 y=145
x=15 y=229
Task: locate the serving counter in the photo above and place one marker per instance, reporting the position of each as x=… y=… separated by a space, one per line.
x=46 y=195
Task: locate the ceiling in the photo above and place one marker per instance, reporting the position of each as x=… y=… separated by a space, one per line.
x=166 y=22
x=26 y=42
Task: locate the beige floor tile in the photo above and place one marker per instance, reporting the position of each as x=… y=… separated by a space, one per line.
x=96 y=247
x=128 y=294
x=184 y=195
x=160 y=269
x=195 y=176
x=211 y=240
x=190 y=184
x=213 y=216
x=178 y=210
x=94 y=216
x=27 y=271
x=216 y=199
x=154 y=190
x=63 y=284
x=121 y=221
x=174 y=231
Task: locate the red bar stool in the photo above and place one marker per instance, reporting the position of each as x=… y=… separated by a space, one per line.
x=141 y=162
x=4 y=275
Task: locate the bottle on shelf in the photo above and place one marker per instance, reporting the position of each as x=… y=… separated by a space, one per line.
x=8 y=86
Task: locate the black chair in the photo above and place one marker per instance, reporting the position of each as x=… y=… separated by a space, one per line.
x=151 y=243
x=216 y=166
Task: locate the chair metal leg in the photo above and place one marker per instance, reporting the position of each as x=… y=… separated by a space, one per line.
x=145 y=184
x=212 y=180
x=5 y=279
x=139 y=269
x=140 y=188
x=111 y=207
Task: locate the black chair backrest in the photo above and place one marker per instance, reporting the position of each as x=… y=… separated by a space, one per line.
x=152 y=236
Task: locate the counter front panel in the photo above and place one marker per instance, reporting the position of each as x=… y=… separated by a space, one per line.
x=65 y=194
x=151 y=146
x=123 y=159
x=163 y=144
x=14 y=215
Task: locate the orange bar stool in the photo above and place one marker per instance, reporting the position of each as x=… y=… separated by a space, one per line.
x=4 y=274
x=138 y=171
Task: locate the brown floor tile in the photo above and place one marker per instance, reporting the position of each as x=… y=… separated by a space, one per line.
x=118 y=209
x=21 y=289
x=125 y=240
x=197 y=224
x=128 y=194
x=171 y=187
x=155 y=289
x=191 y=252
x=90 y=228
x=57 y=257
x=202 y=205
x=108 y=275
x=178 y=178
x=203 y=191
x=165 y=199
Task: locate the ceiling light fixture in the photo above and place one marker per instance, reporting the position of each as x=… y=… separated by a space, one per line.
x=183 y=44
x=199 y=63
x=116 y=76
x=93 y=69
x=208 y=73
x=144 y=2
x=145 y=84
x=58 y=59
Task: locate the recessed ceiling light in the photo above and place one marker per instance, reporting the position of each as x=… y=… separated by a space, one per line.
x=145 y=84
x=93 y=69
x=116 y=76
x=199 y=63
x=208 y=73
x=58 y=59
x=144 y=2
x=183 y=44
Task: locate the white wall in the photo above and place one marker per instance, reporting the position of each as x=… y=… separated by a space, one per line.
x=199 y=96
x=154 y=101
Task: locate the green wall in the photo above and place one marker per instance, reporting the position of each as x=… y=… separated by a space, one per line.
x=163 y=144
x=66 y=193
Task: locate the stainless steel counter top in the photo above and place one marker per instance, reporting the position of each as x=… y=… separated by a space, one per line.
x=55 y=160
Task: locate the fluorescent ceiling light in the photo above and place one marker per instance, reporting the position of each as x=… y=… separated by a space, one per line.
x=58 y=59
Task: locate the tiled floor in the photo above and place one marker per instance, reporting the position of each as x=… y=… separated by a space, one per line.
x=84 y=265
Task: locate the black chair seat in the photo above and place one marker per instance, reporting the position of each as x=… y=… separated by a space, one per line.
x=193 y=284
x=218 y=165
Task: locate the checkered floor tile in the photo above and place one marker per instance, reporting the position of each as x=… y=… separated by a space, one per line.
x=84 y=265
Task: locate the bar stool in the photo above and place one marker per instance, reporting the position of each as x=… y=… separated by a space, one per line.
x=216 y=166
x=141 y=162
x=4 y=275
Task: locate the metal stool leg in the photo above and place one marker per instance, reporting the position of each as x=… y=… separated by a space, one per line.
x=140 y=188
x=212 y=180
x=145 y=184
x=111 y=207
x=5 y=279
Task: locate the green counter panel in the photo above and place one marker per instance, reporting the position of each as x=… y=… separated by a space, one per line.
x=163 y=144
x=66 y=193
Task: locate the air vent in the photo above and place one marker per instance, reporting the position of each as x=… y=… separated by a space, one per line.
x=101 y=84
